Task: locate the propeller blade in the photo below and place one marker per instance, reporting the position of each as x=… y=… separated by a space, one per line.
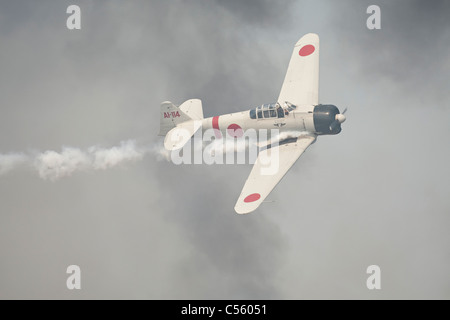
x=340 y=118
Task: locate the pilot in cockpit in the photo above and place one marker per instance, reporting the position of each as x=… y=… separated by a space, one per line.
x=288 y=107
x=280 y=111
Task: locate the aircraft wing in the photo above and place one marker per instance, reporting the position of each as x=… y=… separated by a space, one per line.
x=269 y=168
x=301 y=84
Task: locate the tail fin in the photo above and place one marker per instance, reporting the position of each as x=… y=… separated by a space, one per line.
x=171 y=115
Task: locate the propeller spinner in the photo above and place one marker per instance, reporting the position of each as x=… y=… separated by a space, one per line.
x=340 y=118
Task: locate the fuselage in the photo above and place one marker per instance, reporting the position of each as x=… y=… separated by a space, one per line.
x=312 y=119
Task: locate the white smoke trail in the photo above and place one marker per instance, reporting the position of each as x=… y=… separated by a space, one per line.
x=282 y=136
x=108 y=158
x=161 y=153
x=52 y=165
x=229 y=145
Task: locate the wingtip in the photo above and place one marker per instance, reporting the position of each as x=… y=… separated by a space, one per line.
x=309 y=37
x=238 y=209
x=244 y=209
x=242 y=212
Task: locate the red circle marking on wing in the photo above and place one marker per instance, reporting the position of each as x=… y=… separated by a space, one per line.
x=253 y=197
x=306 y=50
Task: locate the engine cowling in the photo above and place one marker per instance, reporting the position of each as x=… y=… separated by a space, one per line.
x=324 y=115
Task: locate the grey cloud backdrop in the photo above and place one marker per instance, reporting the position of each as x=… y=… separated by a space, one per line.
x=375 y=194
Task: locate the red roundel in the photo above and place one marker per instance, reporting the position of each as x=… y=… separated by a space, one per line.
x=235 y=130
x=253 y=197
x=306 y=50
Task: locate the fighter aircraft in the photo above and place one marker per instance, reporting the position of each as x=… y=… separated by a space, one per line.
x=297 y=109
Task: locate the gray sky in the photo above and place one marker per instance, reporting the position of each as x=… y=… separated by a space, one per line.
x=375 y=194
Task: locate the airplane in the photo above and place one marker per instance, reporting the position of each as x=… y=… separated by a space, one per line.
x=297 y=109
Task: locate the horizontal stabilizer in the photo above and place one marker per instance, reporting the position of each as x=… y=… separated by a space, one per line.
x=181 y=134
x=193 y=108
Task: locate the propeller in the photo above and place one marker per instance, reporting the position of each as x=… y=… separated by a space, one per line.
x=339 y=118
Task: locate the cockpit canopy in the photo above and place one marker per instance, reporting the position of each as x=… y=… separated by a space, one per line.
x=271 y=110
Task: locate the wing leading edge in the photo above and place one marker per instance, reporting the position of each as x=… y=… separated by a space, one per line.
x=269 y=168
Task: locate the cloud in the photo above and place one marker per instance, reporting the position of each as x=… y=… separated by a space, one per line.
x=10 y=161
x=410 y=49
